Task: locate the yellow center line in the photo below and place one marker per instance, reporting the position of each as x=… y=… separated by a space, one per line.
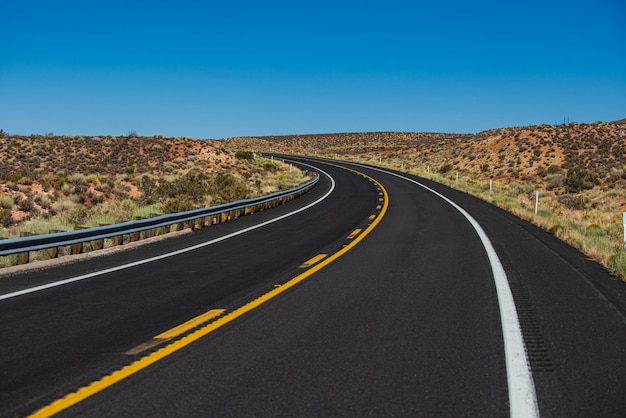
x=354 y=233
x=313 y=260
x=192 y=323
x=111 y=379
x=176 y=331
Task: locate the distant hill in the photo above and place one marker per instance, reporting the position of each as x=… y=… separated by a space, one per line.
x=515 y=152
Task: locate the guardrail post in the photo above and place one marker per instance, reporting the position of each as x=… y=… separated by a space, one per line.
x=76 y=248
x=79 y=247
x=97 y=244
x=24 y=258
x=118 y=240
x=53 y=252
x=61 y=245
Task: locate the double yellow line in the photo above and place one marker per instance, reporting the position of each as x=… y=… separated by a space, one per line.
x=111 y=379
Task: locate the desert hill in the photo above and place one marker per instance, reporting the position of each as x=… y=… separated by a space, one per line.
x=530 y=153
x=579 y=170
x=71 y=181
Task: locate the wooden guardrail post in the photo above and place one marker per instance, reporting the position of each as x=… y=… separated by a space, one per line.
x=135 y=236
x=152 y=232
x=98 y=244
x=79 y=247
x=53 y=252
x=24 y=258
x=118 y=240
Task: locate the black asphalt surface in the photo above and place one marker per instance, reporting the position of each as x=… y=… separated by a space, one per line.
x=407 y=323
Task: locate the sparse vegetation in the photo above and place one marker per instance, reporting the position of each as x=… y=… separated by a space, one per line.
x=578 y=168
x=50 y=183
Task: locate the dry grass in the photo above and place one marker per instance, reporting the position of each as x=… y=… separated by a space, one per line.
x=50 y=183
x=579 y=170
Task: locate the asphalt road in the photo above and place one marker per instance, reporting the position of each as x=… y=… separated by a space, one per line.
x=406 y=322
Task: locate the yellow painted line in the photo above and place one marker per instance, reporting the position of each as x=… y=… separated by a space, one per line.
x=354 y=233
x=111 y=379
x=313 y=260
x=372 y=217
x=192 y=323
x=176 y=331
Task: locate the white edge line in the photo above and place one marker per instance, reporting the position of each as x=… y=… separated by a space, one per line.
x=522 y=395
x=173 y=253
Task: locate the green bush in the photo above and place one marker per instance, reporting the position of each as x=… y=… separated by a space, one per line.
x=445 y=168
x=617 y=263
x=180 y=203
x=244 y=155
x=574 y=202
x=78 y=216
x=6 y=218
x=579 y=179
x=6 y=202
x=270 y=166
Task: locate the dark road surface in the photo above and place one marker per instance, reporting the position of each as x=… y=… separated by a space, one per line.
x=406 y=322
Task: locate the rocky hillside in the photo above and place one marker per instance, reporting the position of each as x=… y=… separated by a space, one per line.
x=544 y=154
x=79 y=177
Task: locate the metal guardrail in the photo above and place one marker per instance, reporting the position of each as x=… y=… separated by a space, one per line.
x=193 y=219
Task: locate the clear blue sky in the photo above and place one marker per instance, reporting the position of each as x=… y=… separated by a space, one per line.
x=211 y=69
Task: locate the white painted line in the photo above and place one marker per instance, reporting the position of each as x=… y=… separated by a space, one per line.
x=174 y=253
x=522 y=395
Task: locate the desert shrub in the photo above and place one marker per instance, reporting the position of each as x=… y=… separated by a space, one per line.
x=98 y=198
x=517 y=189
x=617 y=263
x=122 y=210
x=595 y=230
x=179 y=203
x=554 y=181
x=574 y=202
x=232 y=192
x=61 y=206
x=26 y=181
x=26 y=205
x=44 y=201
x=147 y=186
x=6 y=202
x=616 y=173
x=579 y=179
x=6 y=218
x=270 y=166
x=76 y=179
x=445 y=168
x=244 y=155
x=78 y=216
x=193 y=184
x=228 y=188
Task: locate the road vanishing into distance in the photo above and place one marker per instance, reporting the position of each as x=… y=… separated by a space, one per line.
x=375 y=294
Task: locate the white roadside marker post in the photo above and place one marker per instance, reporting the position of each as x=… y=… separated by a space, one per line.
x=624 y=218
x=536 y=201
